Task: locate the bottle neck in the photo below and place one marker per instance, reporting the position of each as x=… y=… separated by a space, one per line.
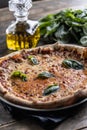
x=21 y=18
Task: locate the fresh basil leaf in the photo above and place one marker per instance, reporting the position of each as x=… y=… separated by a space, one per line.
x=69 y=63
x=70 y=26
x=45 y=24
x=33 y=60
x=23 y=77
x=83 y=41
x=20 y=75
x=50 y=89
x=60 y=33
x=49 y=17
x=45 y=75
x=85 y=29
x=16 y=74
x=50 y=29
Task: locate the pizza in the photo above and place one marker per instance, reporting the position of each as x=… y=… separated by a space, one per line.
x=47 y=77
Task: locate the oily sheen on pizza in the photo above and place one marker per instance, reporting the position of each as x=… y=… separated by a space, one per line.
x=44 y=77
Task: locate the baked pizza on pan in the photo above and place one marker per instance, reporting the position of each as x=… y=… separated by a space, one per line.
x=44 y=77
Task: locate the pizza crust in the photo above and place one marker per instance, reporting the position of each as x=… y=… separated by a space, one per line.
x=36 y=103
x=69 y=100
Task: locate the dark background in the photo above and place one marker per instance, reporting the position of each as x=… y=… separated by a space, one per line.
x=4 y=3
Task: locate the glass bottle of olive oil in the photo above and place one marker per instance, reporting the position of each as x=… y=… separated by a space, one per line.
x=23 y=33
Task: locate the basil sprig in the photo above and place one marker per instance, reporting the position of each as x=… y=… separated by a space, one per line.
x=69 y=63
x=50 y=89
x=65 y=26
x=20 y=75
x=45 y=75
x=33 y=60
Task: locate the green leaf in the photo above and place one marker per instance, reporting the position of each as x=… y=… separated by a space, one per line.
x=83 y=41
x=50 y=89
x=45 y=75
x=19 y=74
x=33 y=60
x=23 y=77
x=47 y=18
x=74 y=64
x=45 y=24
x=60 y=33
x=16 y=74
x=50 y=30
x=85 y=28
x=67 y=25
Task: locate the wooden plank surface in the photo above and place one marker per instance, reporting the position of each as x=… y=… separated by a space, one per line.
x=40 y=8
x=5 y=117
x=26 y=124
x=76 y=122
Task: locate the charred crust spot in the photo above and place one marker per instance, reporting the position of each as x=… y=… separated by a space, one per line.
x=17 y=58
x=46 y=50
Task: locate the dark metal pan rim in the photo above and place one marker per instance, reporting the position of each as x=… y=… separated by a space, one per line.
x=45 y=110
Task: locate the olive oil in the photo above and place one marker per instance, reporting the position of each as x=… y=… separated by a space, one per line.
x=21 y=38
x=22 y=33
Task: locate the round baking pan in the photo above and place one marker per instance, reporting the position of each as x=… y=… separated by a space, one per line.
x=41 y=112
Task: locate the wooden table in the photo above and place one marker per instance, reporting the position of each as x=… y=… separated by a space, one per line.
x=41 y=8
